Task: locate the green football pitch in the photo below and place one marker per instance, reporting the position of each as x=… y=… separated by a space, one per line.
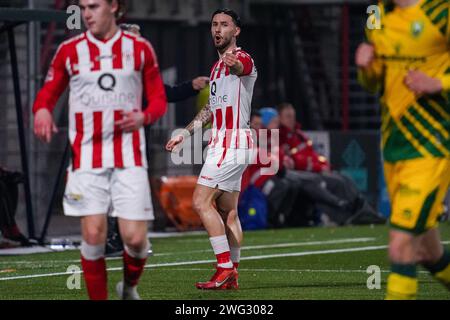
x=303 y=263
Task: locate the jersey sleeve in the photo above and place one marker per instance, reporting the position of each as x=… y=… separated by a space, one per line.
x=180 y=91
x=55 y=82
x=371 y=78
x=246 y=61
x=153 y=86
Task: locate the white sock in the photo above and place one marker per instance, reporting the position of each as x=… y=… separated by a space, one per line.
x=235 y=254
x=142 y=254
x=92 y=252
x=220 y=245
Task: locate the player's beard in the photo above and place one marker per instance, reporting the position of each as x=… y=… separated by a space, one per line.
x=225 y=44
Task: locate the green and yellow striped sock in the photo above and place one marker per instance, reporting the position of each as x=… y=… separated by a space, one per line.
x=402 y=282
x=441 y=269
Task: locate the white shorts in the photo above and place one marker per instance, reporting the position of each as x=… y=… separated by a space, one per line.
x=123 y=193
x=224 y=171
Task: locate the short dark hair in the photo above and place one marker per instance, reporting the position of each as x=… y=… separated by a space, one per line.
x=121 y=10
x=284 y=105
x=229 y=12
x=255 y=113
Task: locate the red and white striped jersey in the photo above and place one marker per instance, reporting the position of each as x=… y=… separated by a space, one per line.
x=230 y=100
x=105 y=78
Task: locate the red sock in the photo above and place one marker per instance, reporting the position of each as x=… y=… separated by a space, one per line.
x=235 y=265
x=223 y=258
x=132 y=268
x=96 y=278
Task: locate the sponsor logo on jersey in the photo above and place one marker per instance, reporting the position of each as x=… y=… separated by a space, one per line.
x=218 y=100
x=417 y=28
x=108 y=96
x=108 y=99
x=107 y=82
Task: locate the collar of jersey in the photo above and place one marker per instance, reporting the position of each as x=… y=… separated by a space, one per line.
x=108 y=42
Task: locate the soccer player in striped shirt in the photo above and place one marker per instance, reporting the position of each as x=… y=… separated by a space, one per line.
x=216 y=195
x=408 y=61
x=107 y=71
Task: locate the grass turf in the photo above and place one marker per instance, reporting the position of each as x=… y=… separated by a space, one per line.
x=317 y=272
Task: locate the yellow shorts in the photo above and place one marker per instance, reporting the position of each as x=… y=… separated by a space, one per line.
x=417 y=189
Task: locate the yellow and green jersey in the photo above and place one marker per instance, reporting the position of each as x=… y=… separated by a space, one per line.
x=411 y=38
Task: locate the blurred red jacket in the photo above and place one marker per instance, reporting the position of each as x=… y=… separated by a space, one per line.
x=298 y=145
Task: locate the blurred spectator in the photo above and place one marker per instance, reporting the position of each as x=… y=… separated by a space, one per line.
x=9 y=193
x=294 y=195
x=297 y=144
x=255 y=120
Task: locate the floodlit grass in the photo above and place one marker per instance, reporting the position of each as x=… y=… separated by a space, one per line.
x=304 y=263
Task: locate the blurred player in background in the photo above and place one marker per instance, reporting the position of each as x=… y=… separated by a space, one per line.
x=107 y=71
x=408 y=61
x=216 y=195
x=176 y=93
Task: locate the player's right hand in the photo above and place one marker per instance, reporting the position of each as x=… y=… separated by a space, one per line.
x=44 y=127
x=174 y=142
x=365 y=54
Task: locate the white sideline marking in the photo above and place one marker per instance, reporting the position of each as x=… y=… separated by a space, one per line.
x=183 y=263
x=286 y=270
x=310 y=243
x=268 y=246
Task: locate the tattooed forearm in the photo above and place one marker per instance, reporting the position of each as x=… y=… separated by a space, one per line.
x=202 y=118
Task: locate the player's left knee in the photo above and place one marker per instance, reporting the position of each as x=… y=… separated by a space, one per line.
x=135 y=242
